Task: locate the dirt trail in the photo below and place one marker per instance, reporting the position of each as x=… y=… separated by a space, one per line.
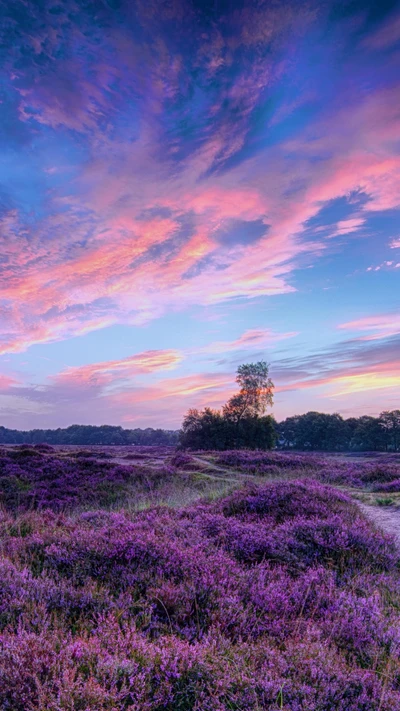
x=388 y=519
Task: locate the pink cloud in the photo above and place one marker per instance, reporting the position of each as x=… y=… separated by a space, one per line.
x=7 y=382
x=387 y=264
x=381 y=325
x=252 y=338
x=367 y=381
x=345 y=227
x=109 y=371
x=142 y=267
x=351 y=378
x=174 y=396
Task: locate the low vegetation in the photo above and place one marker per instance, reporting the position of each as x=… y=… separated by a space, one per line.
x=278 y=594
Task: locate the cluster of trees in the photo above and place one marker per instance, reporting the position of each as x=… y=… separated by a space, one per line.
x=241 y=423
x=331 y=433
x=90 y=434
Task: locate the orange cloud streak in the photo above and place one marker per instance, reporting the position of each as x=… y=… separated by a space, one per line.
x=120 y=262
x=363 y=382
x=107 y=371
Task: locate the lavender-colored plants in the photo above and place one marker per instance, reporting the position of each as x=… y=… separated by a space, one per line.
x=277 y=596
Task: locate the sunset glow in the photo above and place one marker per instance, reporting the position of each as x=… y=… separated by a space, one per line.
x=189 y=186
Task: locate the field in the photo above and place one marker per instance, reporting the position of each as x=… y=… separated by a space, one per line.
x=141 y=579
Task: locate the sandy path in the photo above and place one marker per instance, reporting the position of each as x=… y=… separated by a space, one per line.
x=388 y=519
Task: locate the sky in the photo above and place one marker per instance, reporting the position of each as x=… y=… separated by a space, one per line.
x=190 y=185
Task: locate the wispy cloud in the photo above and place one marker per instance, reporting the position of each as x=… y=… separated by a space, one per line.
x=365 y=382
x=135 y=217
x=378 y=326
x=386 y=35
x=112 y=370
x=249 y=340
x=158 y=159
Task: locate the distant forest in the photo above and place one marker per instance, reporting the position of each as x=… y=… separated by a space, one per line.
x=90 y=434
x=314 y=431
x=242 y=423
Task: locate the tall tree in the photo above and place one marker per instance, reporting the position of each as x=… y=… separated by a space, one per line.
x=241 y=423
x=255 y=392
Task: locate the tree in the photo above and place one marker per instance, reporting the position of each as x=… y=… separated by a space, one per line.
x=204 y=430
x=241 y=423
x=89 y=435
x=368 y=435
x=315 y=431
x=390 y=423
x=255 y=392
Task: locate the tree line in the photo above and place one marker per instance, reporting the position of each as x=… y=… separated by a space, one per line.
x=90 y=434
x=317 y=431
x=241 y=423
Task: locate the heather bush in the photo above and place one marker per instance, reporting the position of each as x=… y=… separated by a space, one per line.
x=257 y=462
x=43 y=447
x=390 y=486
x=33 y=479
x=331 y=470
x=284 y=501
x=279 y=596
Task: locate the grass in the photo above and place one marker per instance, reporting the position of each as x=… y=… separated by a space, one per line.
x=384 y=501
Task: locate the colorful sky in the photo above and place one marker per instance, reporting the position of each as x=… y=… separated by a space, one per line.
x=189 y=185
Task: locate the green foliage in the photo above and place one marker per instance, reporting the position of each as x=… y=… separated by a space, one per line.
x=390 y=423
x=242 y=423
x=313 y=431
x=368 y=435
x=254 y=395
x=90 y=435
x=385 y=501
x=323 y=432
x=208 y=429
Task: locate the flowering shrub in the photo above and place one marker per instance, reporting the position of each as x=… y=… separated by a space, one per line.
x=35 y=478
x=257 y=462
x=390 y=487
x=275 y=597
x=183 y=461
x=43 y=447
x=332 y=470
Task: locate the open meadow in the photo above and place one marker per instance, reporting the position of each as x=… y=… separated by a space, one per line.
x=144 y=579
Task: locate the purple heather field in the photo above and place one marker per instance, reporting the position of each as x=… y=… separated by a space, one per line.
x=143 y=579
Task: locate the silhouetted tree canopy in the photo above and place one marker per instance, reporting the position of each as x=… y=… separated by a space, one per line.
x=89 y=434
x=254 y=395
x=212 y=429
x=321 y=432
x=242 y=423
